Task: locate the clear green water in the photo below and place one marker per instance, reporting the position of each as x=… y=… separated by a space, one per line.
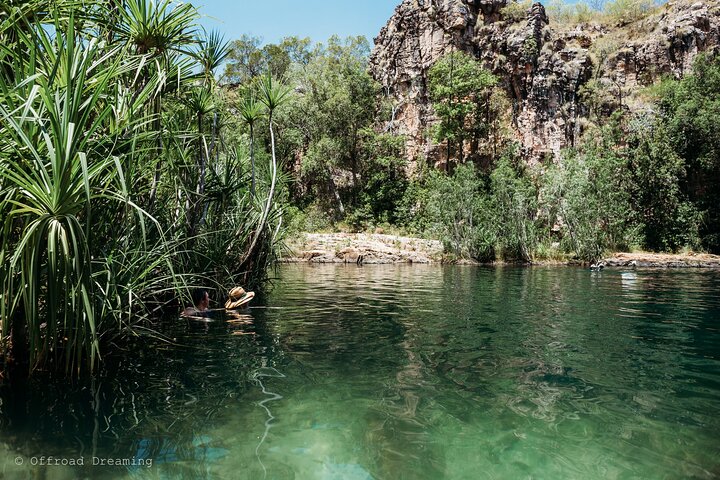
x=414 y=372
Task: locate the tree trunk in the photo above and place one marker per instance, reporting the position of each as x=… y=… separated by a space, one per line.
x=336 y=194
x=195 y=205
x=248 y=257
x=252 y=160
x=18 y=359
x=205 y=202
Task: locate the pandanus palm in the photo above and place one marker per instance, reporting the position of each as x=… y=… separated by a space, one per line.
x=212 y=50
x=158 y=31
x=156 y=28
x=200 y=102
x=273 y=94
x=251 y=110
x=57 y=169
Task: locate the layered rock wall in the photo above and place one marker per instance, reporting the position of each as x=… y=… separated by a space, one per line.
x=542 y=66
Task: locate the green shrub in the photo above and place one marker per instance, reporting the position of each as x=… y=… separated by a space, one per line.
x=587 y=192
x=311 y=219
x=676 y=159
x=455 y=210
x=628 y=11
x=515 y=11
x=562 y=13
x=669 y=221
x=514 y=208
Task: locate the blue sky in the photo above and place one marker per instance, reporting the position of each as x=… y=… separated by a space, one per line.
x=273 y=19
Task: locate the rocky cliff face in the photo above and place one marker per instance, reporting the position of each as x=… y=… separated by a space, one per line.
x=557 y=76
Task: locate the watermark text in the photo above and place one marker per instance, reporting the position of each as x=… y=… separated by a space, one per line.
x=50 y=461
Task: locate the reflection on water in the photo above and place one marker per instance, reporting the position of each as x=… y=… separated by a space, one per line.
x=417 y=372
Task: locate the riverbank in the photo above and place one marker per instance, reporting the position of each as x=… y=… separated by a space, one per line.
x=364 y=248
x=663 y=260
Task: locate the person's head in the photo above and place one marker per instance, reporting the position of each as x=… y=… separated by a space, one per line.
x=201 y=298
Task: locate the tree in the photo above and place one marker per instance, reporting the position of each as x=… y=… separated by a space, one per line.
x=678 y=161
x=272 y=95
x=250 y=111
x=245 y=60
x=337 y=102
x=457 y=211
x=460 y=91
x=249 y=60
x=514 y=205
x=588 y=194
x=86 y=258
x=58 y=173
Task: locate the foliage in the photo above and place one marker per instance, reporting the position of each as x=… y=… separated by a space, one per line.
x=530 y=49
x=562 y=13
x=628 y=11
x=455 y=210
x=117 y=187
x=385 y=181
x=514 y=206
x=678 y=162
x=475 y=215
x=248 y=60
x=515 y=11
x=331 y=120
x=460 y=90
x=599 y=98
x=59 y=166
x=587 y=192
x=669 y=220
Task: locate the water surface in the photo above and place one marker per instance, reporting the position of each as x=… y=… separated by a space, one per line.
x=405 y=372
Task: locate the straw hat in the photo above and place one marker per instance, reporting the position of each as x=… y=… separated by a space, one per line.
x=238 y=297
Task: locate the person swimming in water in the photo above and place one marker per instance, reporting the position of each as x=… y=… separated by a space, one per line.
x=201 y=303
x=238 y=299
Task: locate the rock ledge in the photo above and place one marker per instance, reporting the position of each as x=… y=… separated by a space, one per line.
x=663 y=260
x=362 y=249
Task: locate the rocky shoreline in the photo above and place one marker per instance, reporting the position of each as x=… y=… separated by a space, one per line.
x=663 y=260
x=362 y=249
x=376 y=248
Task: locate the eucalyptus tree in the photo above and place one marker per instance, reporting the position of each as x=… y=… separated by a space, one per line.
x=460 y=91
x=337 y=102
x=249 y=59
x=245 y=60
